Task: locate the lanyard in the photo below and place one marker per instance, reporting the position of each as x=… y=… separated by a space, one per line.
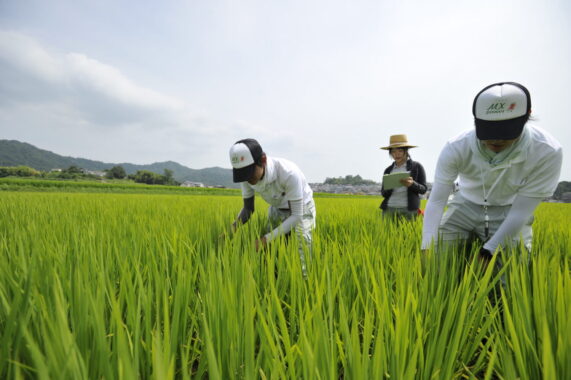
x=486 y=194
x=486 y=220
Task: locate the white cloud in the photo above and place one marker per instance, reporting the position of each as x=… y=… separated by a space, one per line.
x=76 y=105
x=26 y=56
x=99 y=92
x=108 y=82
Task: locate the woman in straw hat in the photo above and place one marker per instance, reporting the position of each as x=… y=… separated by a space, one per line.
x=403 y=200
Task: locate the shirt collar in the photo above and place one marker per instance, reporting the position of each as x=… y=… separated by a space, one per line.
x=515 y=153
x=269 y=173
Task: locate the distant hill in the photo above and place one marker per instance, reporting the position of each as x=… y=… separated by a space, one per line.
x=14 y=153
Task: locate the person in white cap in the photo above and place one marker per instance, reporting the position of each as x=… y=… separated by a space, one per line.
x=403 y=201
x=505 y=166
x=282 y=185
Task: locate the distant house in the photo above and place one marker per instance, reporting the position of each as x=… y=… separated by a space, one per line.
x=192 y=184
x=56 y=170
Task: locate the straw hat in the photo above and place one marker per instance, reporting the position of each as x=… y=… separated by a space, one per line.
x=398 y=141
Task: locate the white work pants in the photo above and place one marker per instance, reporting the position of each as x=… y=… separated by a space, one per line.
x=464 y=219
x=303 y=229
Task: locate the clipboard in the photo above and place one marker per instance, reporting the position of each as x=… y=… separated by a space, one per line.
x=390 y=181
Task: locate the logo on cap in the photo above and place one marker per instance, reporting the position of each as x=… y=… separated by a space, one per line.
x=511 y=107
x=496 y=108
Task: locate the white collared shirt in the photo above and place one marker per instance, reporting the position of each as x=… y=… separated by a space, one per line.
x=532 y=169
x=283 y=181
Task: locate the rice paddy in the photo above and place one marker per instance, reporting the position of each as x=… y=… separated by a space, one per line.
x=153 y=286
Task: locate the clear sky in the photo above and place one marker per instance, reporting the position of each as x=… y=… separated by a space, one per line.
x=322 y=83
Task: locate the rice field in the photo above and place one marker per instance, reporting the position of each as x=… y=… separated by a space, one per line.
x=152 y=286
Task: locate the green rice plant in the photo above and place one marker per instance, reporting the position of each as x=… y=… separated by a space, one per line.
x=122 y=286
x=536 y=323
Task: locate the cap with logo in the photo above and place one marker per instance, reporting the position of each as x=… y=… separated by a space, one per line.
x=501 y=110
x=244 y=155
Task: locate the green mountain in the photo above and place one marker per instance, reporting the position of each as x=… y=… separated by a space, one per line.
x=14 y=153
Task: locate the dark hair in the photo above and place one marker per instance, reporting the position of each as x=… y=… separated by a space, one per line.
x=405 y=152
x=259 y=160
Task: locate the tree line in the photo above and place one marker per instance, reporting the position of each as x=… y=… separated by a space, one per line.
x=349 y=180
x=73 y=172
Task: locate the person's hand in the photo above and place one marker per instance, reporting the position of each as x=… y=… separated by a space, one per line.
x=261 y=243
x=484 y=257
x=408 y=181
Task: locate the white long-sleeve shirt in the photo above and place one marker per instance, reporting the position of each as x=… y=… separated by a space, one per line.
x=522 y=179
x=284 y=186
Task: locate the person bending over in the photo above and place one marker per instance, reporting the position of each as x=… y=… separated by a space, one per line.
x=505 y=166
x=282 y=185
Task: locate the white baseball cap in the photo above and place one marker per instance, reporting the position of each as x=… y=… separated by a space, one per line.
x=244 y=155
x=501 y=110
